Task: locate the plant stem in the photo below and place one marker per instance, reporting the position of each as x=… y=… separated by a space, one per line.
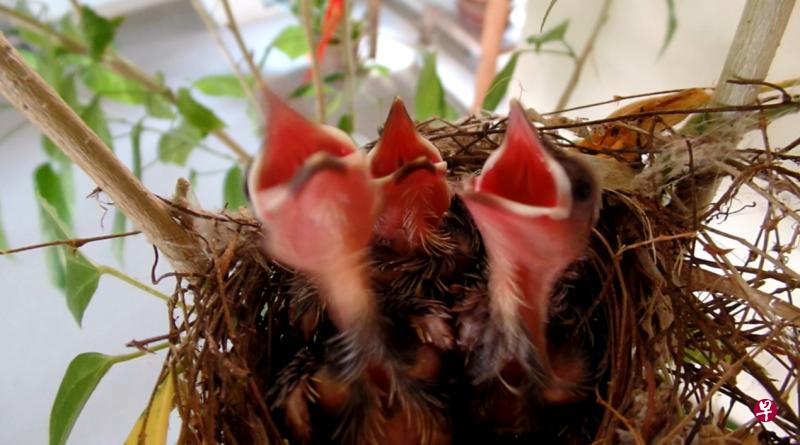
x=757 y=38
x=572 y=83
x=248 y=56
x=305 y=13
x=36 y=100
x=137 y=354
x=119 y=65
x=116 y=273
x=349 y=58
x=212 y=28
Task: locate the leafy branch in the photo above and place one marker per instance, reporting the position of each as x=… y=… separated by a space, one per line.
x=103 y=31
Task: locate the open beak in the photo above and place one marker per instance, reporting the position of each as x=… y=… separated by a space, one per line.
x=411 y=174
x=523 y=206
x=311 y=189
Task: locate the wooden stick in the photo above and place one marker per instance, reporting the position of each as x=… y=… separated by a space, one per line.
x=373 y=18
x=34 y=98
x=758 y=35
x=494 y=23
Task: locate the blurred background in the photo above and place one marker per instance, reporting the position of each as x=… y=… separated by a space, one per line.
x=169 y=37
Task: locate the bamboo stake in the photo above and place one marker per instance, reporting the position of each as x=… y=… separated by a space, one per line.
x=34 y=98
x=494 y=23
x=758 y=35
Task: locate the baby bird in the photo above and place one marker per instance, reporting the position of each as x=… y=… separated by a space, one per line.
x=535 y=208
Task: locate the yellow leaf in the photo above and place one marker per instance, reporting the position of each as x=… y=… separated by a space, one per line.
x=157 y=415
x=615 y=136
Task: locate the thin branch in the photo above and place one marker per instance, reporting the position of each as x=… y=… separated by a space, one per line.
x=120 y=66
x=316 y=77
x=349 y=57
x=248 y=56
x=212 y=28
x=74 y=243
x=572 y=83
x=35 y=99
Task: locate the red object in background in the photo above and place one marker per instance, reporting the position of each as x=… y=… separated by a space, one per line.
x=333 y=16
x=765 y=410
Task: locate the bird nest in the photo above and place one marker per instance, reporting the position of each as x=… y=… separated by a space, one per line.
x=688 y=322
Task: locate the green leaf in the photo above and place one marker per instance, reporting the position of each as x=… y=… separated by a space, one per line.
x=176 y=144
x=429 y=100
x=49 y=187
x=197 y=114
x=70 y=29
x=99 y=31
x=118 y=244
x=95 y=118
x=52 y=150
x=346 y=123
x=334 y=103
x=552 y=35
x=53 y=229
x=233 y=189
x=222 y=85
x=672 y=25
x=292 y=42
x=82 y=278
x=450 y=113
x=68 y=90
x=307 y=89
x=158 y=106
x=382 y=70
x=34 y=38
x=82 y=376
x=113 y=86
x=499 y=87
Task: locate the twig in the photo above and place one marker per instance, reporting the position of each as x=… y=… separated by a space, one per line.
x=349 y=57
x=237 y=35
x=74 y=243
x=35 y=99
x=212 y=28
x=581 y=60
x=120 y=66
x=305 y=13
x=730 y=373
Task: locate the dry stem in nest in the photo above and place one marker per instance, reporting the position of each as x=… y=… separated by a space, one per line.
x=687 y=317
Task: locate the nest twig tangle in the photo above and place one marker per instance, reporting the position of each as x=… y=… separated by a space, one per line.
x=679 y=324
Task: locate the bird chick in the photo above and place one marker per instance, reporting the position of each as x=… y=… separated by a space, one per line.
x=411 y=174
x=535 y=209
x=311 y=190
